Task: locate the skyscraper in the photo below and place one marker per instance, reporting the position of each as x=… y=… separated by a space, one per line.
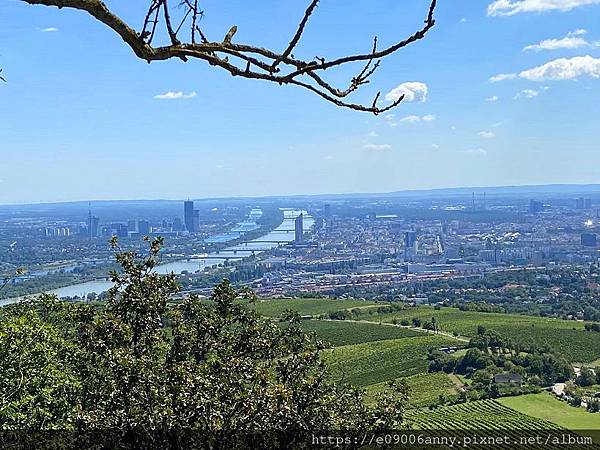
x=188 y=216
x=122 y=230
x=196 y=220
x=92 y=224
x=178 y=225
x=410 y=237
x=535 y=207
x=144 y=227
x=299 y=228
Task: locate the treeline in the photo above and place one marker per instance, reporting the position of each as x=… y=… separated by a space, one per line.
x=489 y=354
x=565 y=293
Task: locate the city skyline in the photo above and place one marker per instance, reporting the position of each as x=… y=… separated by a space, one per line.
x=501 y=95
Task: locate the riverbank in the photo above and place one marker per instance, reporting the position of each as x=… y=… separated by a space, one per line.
x=258 y=241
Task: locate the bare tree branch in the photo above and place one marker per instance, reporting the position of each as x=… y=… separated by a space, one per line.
x=247 y=61
x=298 y=35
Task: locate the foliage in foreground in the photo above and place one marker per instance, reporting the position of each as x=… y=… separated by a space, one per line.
x=140 y=365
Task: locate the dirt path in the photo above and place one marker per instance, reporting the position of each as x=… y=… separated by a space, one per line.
x=459 y=385
x=422 y=330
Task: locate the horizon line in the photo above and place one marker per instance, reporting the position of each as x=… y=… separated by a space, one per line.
x=466 y=189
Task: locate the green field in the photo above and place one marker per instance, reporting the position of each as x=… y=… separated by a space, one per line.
x=380 y=361
x=338 y=333
x=424 y=388
x=370 y=354
x=567 y=338
x=545 y=406
x=482 y=415
x=308 y=306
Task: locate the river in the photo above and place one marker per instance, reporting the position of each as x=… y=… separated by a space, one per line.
x=282 y=233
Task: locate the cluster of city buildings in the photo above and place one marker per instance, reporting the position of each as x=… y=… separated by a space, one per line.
x=366 y=243
x=370 y=249
x=94 y=228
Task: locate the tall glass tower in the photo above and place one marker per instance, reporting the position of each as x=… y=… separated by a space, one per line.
x=188 y=216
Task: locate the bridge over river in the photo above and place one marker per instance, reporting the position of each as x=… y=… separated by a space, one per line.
x=281 y=235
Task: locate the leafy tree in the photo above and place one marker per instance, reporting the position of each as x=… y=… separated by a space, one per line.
x=149 y=366
x=494 y=391
x=575 y=400
x=473 y=359
x=586 y=377
x=483 y=377
x=440 y=361
x=593 y=405
x=39 y=388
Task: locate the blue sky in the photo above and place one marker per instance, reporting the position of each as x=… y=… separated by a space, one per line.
x=79 y=117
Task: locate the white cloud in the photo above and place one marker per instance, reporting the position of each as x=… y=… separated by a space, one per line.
x=493 y=98
x=564 y=69
x=391 y=120
x=571 y=41
x=502 y=77
x=527 y=93
x=512 y=7
x=486 y=134
x=377 y=146
x=435 y=146
x=410 y=119
x=415 y=119
x=175 y=95
x=475 y=151
x=463 y=20
x=558 y=70
x=49 y=30
x=413 y=91
x=372 y=134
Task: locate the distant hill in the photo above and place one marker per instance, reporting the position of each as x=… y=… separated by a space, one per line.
x=543 y=191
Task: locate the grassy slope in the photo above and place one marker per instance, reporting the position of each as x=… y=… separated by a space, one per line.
x=380 y=361
x=545 y=406
x=568 y=338
x=307 y=306
x=424 y=388
x=340 y=333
